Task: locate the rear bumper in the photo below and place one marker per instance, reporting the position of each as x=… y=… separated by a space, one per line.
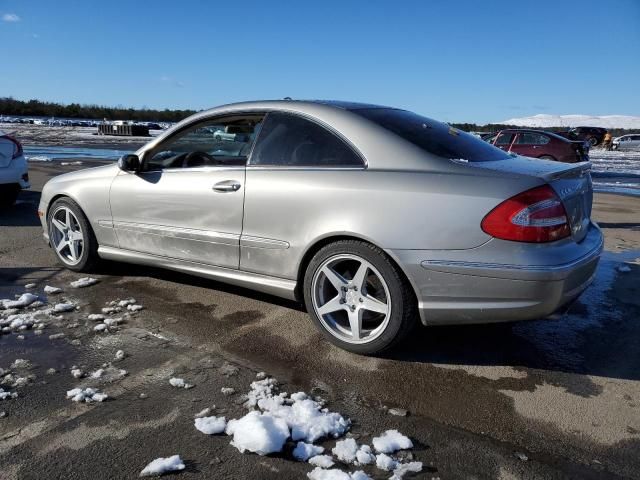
x=16 y=173
x=500 y=281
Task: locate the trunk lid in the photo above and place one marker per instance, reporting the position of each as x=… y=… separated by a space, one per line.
x=571 y=181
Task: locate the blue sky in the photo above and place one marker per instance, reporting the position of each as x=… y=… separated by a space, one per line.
x=476 y=61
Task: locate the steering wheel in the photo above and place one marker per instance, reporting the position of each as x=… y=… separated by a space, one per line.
x=197 y=159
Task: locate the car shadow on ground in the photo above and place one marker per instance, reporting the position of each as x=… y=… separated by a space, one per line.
x=131 y=270
x=571 y=343
x=24 y=213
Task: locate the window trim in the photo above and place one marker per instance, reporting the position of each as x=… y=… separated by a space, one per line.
x=364 y=164
x=143 y=159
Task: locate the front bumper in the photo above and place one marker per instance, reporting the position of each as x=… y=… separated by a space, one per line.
x=500 y=281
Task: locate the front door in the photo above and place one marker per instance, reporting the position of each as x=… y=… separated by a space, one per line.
x=187 y=201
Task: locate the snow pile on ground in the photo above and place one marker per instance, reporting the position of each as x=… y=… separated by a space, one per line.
x=305 y=417
x=134 y=308
x=258 y=433
x=385 y=462
x=391 y=441
x=403 y=468
x=163 y=465
x=4 y=395
x=84 y=282
x=23 y=301
x=276 y=417
x=304 y=451
x=605 y=121
x=321 y=474
x=63 y=307
x=49 y=290
x=211 y=425
x=323 y=461
x=87 y=395
x=179 y=383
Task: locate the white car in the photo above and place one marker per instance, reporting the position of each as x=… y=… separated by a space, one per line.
x=627 y=142
x=14 y=173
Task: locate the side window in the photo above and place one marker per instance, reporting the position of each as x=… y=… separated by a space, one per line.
x=220 y=142
x=532 y=138
x=289 y=140
x=504 y=139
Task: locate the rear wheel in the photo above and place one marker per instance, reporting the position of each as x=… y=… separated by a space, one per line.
x=8 y=195
x=547 y=157
x=71 y=236
x=593 y=141
x=358 y=297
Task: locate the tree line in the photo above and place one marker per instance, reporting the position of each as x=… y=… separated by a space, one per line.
x=37 y=108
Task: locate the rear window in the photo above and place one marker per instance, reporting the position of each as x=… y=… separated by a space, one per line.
x=433 y=137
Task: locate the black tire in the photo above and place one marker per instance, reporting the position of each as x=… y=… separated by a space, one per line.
x=593 y=141
x=547 y=157
x=404 y=313
x=89 y=257
x=8 y=195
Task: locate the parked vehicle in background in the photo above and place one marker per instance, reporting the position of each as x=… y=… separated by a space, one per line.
x=540 y=144
x=376 y=218
x=627 y=142
x=14 y=174
x=593 y=135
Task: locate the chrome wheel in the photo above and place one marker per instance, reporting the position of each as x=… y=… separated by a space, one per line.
x=351 y=298
x=66 y=236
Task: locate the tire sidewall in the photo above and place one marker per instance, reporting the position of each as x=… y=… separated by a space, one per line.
x=391 y=277
x=88 y=241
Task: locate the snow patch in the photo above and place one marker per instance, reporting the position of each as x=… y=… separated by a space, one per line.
x=211 y=425
x=63 y=307
x=304 y=451
x=385 y=462
x=84 y=282
x=87 y=395
x=323 y=461
x=258 y=433
x=179 y=383
x=23 y=301
x=390 y=441
x=345 y=450
x=49 y=290
x=163 y=465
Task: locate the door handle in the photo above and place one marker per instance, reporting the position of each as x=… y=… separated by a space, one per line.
x=227 y=186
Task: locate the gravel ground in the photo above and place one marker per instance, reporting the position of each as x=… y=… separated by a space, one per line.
x=546 y=399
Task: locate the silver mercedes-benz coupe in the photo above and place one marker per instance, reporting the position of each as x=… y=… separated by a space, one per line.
x=376 y=218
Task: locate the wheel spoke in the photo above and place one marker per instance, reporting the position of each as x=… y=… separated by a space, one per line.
x=58 y=224
x=332 y=305
x=360 y=277
x=67 y=218
x=73 y=250
x=374 y=305
x=355 y=322
x=63 y=243
x=335 y=278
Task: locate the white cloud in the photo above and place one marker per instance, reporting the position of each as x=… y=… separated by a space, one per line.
x=10 y=17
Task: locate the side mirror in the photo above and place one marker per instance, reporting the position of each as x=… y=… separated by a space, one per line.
x=129 y=163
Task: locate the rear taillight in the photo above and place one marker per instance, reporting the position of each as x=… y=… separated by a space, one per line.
x=536 y=215
x=18 y=150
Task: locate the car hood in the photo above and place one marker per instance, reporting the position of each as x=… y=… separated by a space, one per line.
x=85 y=173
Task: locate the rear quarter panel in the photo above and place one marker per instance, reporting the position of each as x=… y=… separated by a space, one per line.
x=392 y=209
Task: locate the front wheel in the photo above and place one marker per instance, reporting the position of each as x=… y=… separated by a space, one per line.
x=358 y=297
x=71 y=236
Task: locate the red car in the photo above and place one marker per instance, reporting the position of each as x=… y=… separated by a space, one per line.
x=539 y=144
